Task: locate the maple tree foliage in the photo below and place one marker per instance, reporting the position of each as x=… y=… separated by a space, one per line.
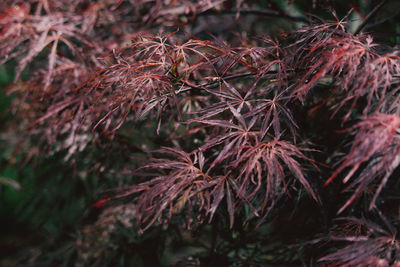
x=370 y=243
x=229 y=119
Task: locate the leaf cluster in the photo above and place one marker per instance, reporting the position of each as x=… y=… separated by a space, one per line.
x=211 y=128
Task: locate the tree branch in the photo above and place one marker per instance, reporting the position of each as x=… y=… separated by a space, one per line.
x=370 y=16
x=258 y=12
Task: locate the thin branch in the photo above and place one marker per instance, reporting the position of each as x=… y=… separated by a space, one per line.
x=213 y=85
x=382 y=20
x=191 y=86
x=258 y=12
x=209 y=85
x=370 y=16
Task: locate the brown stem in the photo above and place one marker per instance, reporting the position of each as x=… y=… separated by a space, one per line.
x=257 y=12
x=369 y=16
